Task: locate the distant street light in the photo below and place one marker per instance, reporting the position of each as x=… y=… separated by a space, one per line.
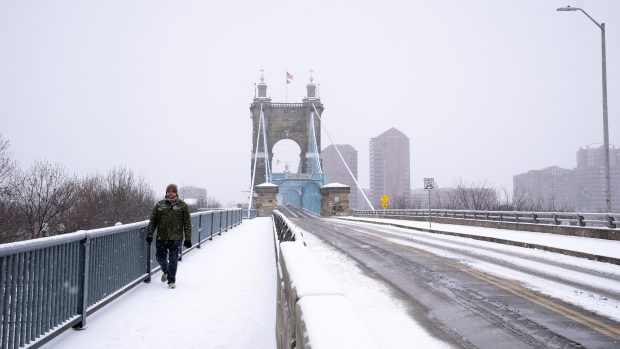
x=605 y=130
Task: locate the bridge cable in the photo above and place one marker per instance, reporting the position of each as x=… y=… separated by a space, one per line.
x=316 y=149
x=255 y=161
x=267 y=165
x=341 y=158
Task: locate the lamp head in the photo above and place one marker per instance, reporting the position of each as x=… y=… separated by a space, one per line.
x=568 y=8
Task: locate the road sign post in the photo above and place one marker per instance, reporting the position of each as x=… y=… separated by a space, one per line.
x=429 y=184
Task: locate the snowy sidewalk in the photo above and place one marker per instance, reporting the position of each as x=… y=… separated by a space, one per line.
x=225 y=298
x=599 y=247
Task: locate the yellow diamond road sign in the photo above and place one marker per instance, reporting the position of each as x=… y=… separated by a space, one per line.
x=385 y=198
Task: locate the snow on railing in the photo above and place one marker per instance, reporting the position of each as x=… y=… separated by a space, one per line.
x=286 y=230
x=50 y=284
x=312 y=312
x=598 y=220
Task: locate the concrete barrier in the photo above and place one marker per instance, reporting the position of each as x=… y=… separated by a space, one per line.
x=312 y=311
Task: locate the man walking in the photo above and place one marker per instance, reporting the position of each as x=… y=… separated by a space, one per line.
x=171 y=218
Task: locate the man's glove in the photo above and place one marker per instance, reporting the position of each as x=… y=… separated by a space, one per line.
x=149 y=239
x=187 y=244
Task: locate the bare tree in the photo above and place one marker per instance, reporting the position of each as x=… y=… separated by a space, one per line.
x=8 y=167
x=101 y=201
x=204 y=203
x=404 y=201
x=11 y=219
x=525 y=201
x=474 y=196
x=120 y=196
x=90 y=199
x=45 y=195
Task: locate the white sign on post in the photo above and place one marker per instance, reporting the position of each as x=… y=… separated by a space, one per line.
x=429 y=183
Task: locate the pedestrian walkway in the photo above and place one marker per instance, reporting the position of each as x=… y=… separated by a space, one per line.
x=225 y=298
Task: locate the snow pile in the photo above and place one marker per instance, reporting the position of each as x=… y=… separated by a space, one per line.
x=335 y=185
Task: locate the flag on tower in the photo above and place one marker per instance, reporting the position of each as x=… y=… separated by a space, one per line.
x=289 y=77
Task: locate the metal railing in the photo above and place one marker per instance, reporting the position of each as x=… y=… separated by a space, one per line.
x=50 y=284
x=598 y=220
x=285 y=229
x=249 y=213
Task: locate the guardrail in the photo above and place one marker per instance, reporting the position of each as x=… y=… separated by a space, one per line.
x=312 y=313
x=285 y=229
x=50 y=284
x=597 y=220
x=249 y=213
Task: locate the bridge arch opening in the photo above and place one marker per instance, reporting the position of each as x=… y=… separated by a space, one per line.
x=286 y=156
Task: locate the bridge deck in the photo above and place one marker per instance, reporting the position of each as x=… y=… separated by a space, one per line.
x=225 y=298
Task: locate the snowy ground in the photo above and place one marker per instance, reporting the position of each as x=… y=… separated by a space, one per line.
x=225 y=298
x=226 y=295
x=384 y=314
x=601 y=247
x=585 y=283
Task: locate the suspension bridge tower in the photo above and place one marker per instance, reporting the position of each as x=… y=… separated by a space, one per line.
x=299 y=122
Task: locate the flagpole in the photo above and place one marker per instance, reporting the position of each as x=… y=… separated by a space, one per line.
x=286 y=88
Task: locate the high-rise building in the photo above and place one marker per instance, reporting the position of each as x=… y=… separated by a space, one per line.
x=336 y=172
x=590 y=179
x=389 y=166
x=551 y=188
x=192 y=194
x=581 y=189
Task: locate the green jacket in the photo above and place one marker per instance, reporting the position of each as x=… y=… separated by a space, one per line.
x=171 y=218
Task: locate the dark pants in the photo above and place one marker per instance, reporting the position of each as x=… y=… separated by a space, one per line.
x=167 y=255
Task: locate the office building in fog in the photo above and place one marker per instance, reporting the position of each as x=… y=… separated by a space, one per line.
x=580 y=189
x=192 y=193
x=549 y=189
x=389 y=166
x=590 y=179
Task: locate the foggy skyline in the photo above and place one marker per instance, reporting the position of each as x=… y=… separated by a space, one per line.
x=485 y=90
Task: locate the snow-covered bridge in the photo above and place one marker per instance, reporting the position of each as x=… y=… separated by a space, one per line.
x=406 y=285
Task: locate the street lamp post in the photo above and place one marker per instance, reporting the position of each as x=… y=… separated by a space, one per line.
x=605 y=130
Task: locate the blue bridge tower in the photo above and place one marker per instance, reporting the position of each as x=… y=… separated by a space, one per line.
x=300 y=123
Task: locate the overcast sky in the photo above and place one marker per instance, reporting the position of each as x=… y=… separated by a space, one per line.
x=483 y=89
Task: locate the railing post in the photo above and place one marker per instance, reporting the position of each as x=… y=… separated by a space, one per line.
x=487 y=215
x=148 y=263
x=83 y=278
x=556 y=221
x=211 y=227
x=220 y=231
x=501 y=217
x=534 y=218
x=610 y=222
x=581 y=222
x=516 y=217
x=199 y=230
